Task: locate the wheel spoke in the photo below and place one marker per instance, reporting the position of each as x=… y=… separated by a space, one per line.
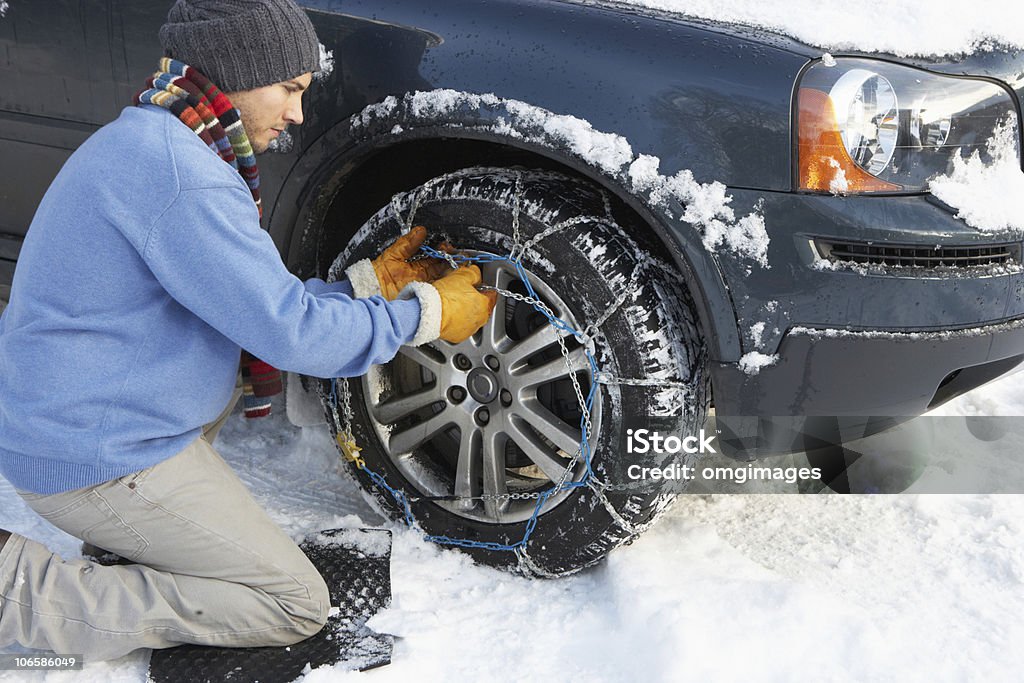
x=495 y=481
x=537 y=451
x=552 y=370
x=550 y=426
x=543 y=336
x=422 y=357
x=495 y=335
x=395 y=409
x=408 y=439
x=468 y=468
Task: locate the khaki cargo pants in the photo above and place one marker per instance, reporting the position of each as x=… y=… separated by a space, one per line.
x=213 y=568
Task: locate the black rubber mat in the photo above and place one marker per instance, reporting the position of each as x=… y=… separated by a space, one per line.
x=355 y=563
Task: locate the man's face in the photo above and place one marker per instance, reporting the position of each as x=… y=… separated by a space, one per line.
x=267 y=111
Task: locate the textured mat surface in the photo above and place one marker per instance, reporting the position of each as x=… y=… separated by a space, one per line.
x=355 y=563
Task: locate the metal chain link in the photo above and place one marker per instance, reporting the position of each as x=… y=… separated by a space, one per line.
x=547 y=232
x=417 y=198
x=599 y=489
x=516 y=206
x=526 y=561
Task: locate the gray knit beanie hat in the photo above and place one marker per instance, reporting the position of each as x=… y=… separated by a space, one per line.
x=242 y=44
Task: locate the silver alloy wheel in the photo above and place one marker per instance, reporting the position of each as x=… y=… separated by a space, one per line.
x=476 y=398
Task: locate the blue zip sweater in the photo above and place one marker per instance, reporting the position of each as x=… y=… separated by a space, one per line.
x=144 y=272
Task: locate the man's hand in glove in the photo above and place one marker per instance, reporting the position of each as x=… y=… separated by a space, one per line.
x=464 y=309
x=394 y=271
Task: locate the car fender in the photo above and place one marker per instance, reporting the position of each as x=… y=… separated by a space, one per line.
x=605 y=158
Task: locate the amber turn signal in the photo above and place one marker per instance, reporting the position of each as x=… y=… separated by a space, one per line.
x=824 y=163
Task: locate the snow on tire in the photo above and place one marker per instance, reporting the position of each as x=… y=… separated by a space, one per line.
x=473 y=432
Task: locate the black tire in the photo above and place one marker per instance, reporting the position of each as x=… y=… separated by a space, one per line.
x=584 y=268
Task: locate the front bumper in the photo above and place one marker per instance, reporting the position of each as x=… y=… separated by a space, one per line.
x=875 y=341
x=835 y=372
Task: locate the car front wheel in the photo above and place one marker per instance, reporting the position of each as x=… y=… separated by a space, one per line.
x=483 y=438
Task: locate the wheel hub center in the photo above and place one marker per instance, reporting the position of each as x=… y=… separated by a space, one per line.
x=482 y=385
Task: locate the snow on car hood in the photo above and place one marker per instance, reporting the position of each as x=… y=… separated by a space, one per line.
x=987 y=196
x=901 y=27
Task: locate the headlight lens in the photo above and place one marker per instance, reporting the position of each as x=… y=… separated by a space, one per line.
x=869 y=126
x=868 y=118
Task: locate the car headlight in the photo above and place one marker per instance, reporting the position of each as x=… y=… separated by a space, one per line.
x=869 y=126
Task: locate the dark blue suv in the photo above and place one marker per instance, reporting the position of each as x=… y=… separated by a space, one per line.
x=721 y=218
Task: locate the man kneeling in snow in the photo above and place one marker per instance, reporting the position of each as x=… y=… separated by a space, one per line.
x=144 y=273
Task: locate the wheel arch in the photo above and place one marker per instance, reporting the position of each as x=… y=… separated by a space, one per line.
x=346 y=175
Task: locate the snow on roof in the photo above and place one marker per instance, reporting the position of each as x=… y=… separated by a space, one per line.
x=900 y=27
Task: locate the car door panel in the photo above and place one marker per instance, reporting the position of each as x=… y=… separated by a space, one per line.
x=55 y=90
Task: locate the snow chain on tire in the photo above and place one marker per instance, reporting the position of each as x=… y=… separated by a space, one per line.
x=651 y=373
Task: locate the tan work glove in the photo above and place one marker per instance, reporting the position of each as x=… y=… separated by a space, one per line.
x=464 y=309
x=389 y=273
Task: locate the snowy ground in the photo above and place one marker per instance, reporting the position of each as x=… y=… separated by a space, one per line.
x=725 y=587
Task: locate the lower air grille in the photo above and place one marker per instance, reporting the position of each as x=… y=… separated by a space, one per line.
x=916 y=256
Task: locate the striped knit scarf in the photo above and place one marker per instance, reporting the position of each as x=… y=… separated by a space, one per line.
x=201 y=106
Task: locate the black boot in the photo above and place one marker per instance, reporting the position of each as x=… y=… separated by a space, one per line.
x=101 y=556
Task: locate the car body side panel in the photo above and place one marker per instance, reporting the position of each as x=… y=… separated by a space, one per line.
x=55 y=90
x=716 y=105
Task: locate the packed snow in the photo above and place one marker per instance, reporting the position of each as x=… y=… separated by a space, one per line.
x=757 y=334
x=326 y=63
x=833 y=333
x=900 y=27
x=839 y=183
x=752 y=363
x=987 y=195
x=707 y=207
